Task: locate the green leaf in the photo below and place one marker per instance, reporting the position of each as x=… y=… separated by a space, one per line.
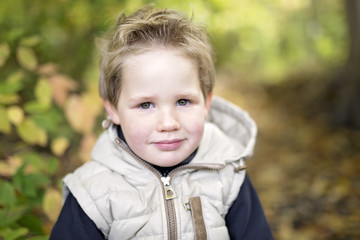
x=28 y=184
x=9 y=88
x=43 y=91
x=31 y=133
x=49 y=120
x=27 y=58
x=9 y=98
x=12 y=84
x=36 y=107
x=5 y=126
x=53 y=165
x=13 y=234
x=32 y=182
x=15 y=33
x=41 y=163
x=7 y=194
x=30 y=41
x=33 y=223
x=16 y=76
x=4 y=53
x=34 y=159
x=9 y=216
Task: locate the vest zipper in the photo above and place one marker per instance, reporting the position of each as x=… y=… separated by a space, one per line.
x=168 y=191
x=170 y=208
x=170 y=194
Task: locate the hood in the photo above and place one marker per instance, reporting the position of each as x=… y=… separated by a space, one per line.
x=234 y=131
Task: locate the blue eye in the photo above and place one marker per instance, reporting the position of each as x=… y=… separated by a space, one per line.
x=146 y=105
x=182 y=102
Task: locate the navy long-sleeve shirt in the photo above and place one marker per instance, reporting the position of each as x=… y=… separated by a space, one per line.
x=245 y=219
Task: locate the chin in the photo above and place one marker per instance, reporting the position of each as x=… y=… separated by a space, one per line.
x=169 y=163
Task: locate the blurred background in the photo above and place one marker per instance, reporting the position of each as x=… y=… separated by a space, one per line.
x=293 y=64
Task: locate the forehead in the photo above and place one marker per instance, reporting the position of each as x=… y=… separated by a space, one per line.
x=159 y=68
x=160 y=61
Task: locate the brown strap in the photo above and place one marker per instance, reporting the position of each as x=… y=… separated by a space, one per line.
x=198 y=219
x=240 y=168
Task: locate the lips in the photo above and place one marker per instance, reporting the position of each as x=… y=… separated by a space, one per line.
x=168 y=145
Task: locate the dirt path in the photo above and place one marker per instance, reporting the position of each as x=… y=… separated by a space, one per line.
x=307 y=174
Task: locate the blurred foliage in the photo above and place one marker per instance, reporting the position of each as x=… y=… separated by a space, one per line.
x=42 y=114
x=49 y=106
x=269 y=38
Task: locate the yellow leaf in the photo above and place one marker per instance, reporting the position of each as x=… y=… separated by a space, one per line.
x=42 y=137
x=5 y=126
x=59 y=145
x=6 y=170
x=9 y=167
x=30 y=41
x=36 y=107
x=52 y=203
x=15 y=115
x=61 y=85
x=47 y=69
x=93 y=102
x=26 y=58
x=87 y=144
x=31 y=133
x=78 y=114
x=43 y=91
x=16 y=76
x=9 y=98
x=4 y=53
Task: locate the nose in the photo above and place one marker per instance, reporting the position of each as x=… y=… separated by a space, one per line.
x=168 y=120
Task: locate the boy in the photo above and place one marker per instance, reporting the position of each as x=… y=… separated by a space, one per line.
x=171 y=163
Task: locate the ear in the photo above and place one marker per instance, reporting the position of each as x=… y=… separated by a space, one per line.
x=112 y=112
x=208 y=103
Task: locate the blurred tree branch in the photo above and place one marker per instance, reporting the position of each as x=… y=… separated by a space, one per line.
x=344 y=91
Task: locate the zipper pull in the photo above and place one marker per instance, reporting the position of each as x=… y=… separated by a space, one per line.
x=169 y=191
x=187 y=206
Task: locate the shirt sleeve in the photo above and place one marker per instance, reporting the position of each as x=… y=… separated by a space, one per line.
x=246 y=218
x=73 y=223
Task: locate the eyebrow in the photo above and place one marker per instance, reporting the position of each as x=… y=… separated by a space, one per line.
x=190 y=95
x=141 y=99
x=150 y=98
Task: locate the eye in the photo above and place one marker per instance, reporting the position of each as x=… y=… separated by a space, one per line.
x=146 y=105
x=182 y=102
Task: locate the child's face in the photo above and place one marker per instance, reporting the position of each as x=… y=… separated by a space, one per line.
x=161 y=108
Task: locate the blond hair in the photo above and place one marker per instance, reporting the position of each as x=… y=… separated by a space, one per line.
x=147 y=28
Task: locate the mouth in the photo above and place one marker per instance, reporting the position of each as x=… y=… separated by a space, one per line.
x=168 y=145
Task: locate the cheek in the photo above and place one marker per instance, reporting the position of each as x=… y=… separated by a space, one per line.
x=195 y=126
x=135 y=133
